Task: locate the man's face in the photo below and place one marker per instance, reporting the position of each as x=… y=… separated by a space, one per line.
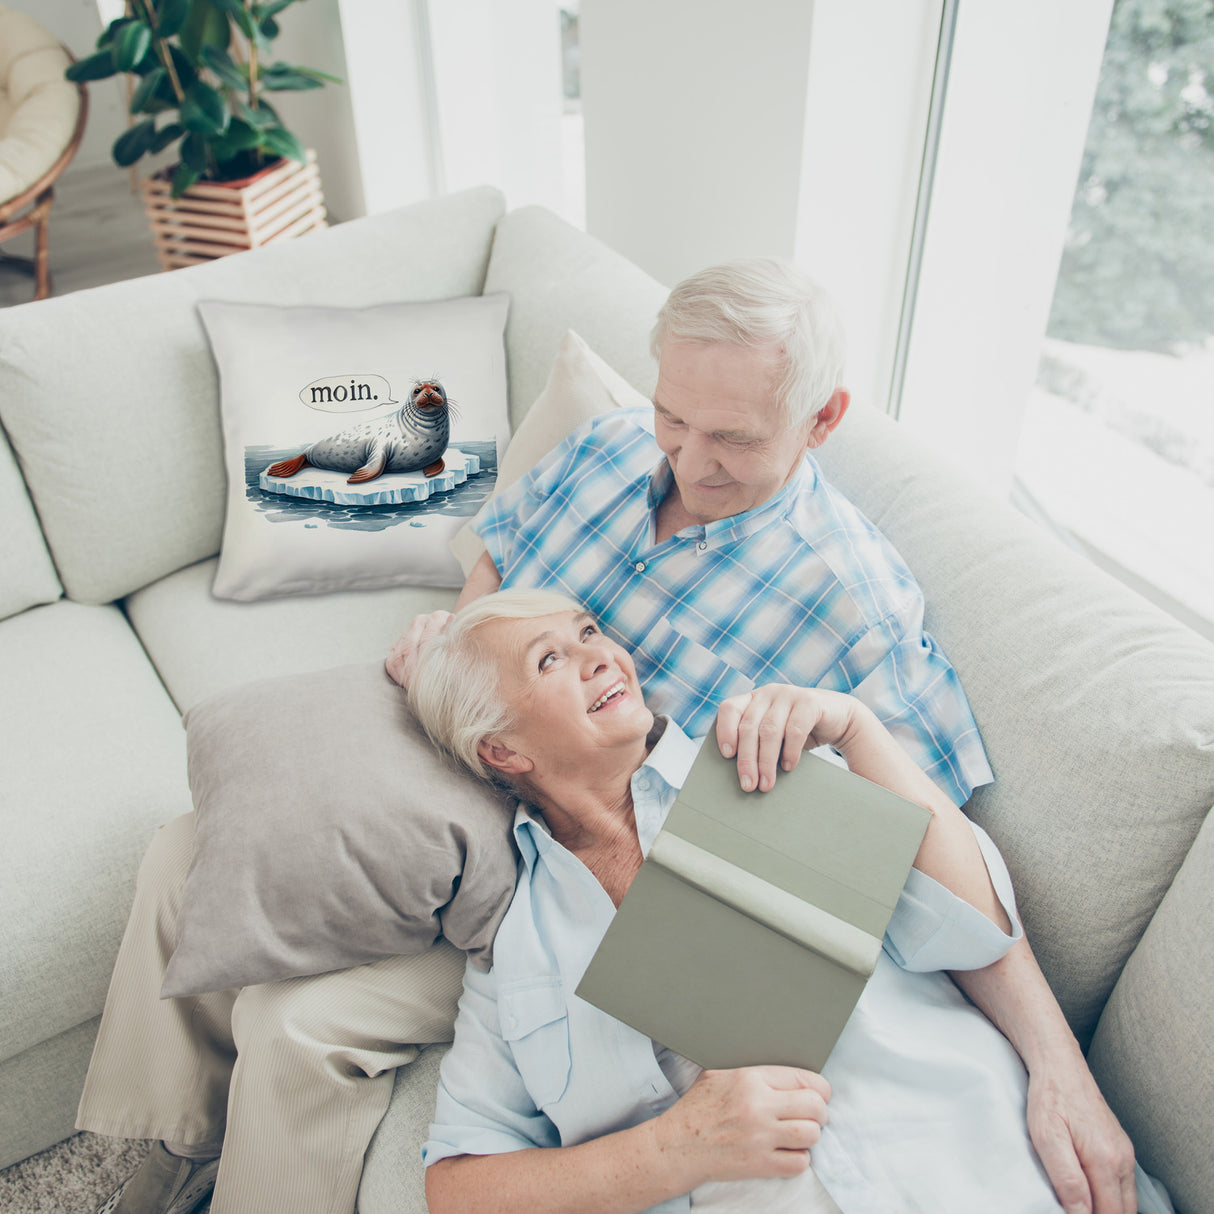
x=716 y=419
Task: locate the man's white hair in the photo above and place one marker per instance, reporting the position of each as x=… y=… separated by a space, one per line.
x=763 y=303
x=455 y=692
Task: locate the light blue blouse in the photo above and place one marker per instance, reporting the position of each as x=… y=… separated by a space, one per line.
x=928 y=1104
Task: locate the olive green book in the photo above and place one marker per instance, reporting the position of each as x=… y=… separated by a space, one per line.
x=755 y=921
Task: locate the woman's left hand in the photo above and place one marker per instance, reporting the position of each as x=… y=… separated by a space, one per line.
x=769 y=727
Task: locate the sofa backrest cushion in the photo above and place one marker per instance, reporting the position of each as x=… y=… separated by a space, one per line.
x=1153 y=1054
x=558 y=278
x=27 y=574
x=111 y=399
x=1096 y=709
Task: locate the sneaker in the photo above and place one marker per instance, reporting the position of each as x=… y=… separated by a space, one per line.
x=164 y=1184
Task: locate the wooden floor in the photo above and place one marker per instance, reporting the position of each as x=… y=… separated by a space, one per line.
x=98 y=234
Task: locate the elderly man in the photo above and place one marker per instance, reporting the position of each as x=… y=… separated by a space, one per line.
x=704 y=538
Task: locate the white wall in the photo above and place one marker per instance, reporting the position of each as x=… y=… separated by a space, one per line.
x=497 y=77
x=694 y=126
x=870 y=82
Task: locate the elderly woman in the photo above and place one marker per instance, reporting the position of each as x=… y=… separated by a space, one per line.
x=547 y=1103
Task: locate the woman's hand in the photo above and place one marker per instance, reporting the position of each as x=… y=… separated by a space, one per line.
x=755 y=1121
x=770 y=727
x=400 y=663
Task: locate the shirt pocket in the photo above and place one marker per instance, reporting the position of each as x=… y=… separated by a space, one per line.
x=682 y=671
x=535 y=1024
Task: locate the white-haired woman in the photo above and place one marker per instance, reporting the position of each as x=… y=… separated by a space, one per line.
x=546 y=1103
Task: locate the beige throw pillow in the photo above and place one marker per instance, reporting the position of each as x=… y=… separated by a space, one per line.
x=580 y=386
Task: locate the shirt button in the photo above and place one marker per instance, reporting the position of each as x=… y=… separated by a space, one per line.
x=639 y=566
x=702 y=545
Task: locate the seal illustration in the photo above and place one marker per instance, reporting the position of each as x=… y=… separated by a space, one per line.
x=411 y=439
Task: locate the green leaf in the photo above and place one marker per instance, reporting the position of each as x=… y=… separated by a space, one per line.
x=171 y=16
x=241 y=137
x=166 y=135
x=238 y=13
x=205 y=26
x=132 y=144
x=95 y=67
x=280 y=77
x=317 y=74
x=130 y=45
x=225 y=67
x=271 y=9
x=262 y=118
x=203 y=111
x=144 y=97
x=268 y=29
x=194 y=153
x=281 y=142
x=106 y=38
x=187 y=73
x=183 y=178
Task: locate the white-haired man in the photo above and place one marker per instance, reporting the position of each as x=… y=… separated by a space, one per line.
x=703 y=537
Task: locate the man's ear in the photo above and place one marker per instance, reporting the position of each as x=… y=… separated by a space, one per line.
x=495 y=754
x=829 y=416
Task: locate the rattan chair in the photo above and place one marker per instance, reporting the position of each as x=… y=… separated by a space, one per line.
x=42 y=117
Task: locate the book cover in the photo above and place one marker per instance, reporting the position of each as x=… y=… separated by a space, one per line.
x=755 y=921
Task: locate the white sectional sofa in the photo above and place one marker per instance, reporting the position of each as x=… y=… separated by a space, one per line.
x=1097 y=711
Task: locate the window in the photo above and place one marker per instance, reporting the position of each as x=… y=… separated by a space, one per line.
x=1117 y=443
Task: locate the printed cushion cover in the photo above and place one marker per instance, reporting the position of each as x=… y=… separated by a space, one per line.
x=356 y=440
x=330 y=833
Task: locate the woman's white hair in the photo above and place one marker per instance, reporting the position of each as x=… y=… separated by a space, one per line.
x=454 y=691
x=763 y=303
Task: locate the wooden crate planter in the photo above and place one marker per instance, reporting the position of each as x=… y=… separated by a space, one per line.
x=215 y=218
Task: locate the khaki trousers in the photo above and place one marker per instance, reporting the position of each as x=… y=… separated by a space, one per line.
x=293 y=1076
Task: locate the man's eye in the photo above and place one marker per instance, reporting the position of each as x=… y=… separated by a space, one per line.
x=590 y=630
x=547 y=660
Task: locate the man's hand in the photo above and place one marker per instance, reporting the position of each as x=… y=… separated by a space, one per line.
x=770 y=727
x=400 y=662
x=1087 y=1155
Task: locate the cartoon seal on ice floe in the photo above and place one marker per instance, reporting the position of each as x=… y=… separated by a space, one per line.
x=410 y=440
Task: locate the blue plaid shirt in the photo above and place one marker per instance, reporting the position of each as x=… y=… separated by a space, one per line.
x=802 y=589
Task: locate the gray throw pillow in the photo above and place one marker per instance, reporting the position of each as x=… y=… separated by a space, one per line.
x=330 y=833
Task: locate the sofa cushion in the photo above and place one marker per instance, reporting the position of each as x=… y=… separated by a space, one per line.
x=328 y=833
x=1152 y=1054
x=27 y=574
x=138 y=492
x=93 y=760
x=317 y=384
x=558 y=278
x=1096 y=709
x=202 y=645
x=393 y=1179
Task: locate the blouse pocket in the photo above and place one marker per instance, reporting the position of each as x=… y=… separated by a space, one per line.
x=535 y=1023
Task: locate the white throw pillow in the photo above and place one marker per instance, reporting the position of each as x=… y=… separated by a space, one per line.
x=335 y=385
x=580 y=386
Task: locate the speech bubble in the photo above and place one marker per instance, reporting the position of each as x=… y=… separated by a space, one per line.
x=347 y=393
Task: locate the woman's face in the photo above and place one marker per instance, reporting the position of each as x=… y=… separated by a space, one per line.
x=574 y=693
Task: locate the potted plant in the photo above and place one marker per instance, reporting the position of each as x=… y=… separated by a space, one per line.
x=201 y=71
